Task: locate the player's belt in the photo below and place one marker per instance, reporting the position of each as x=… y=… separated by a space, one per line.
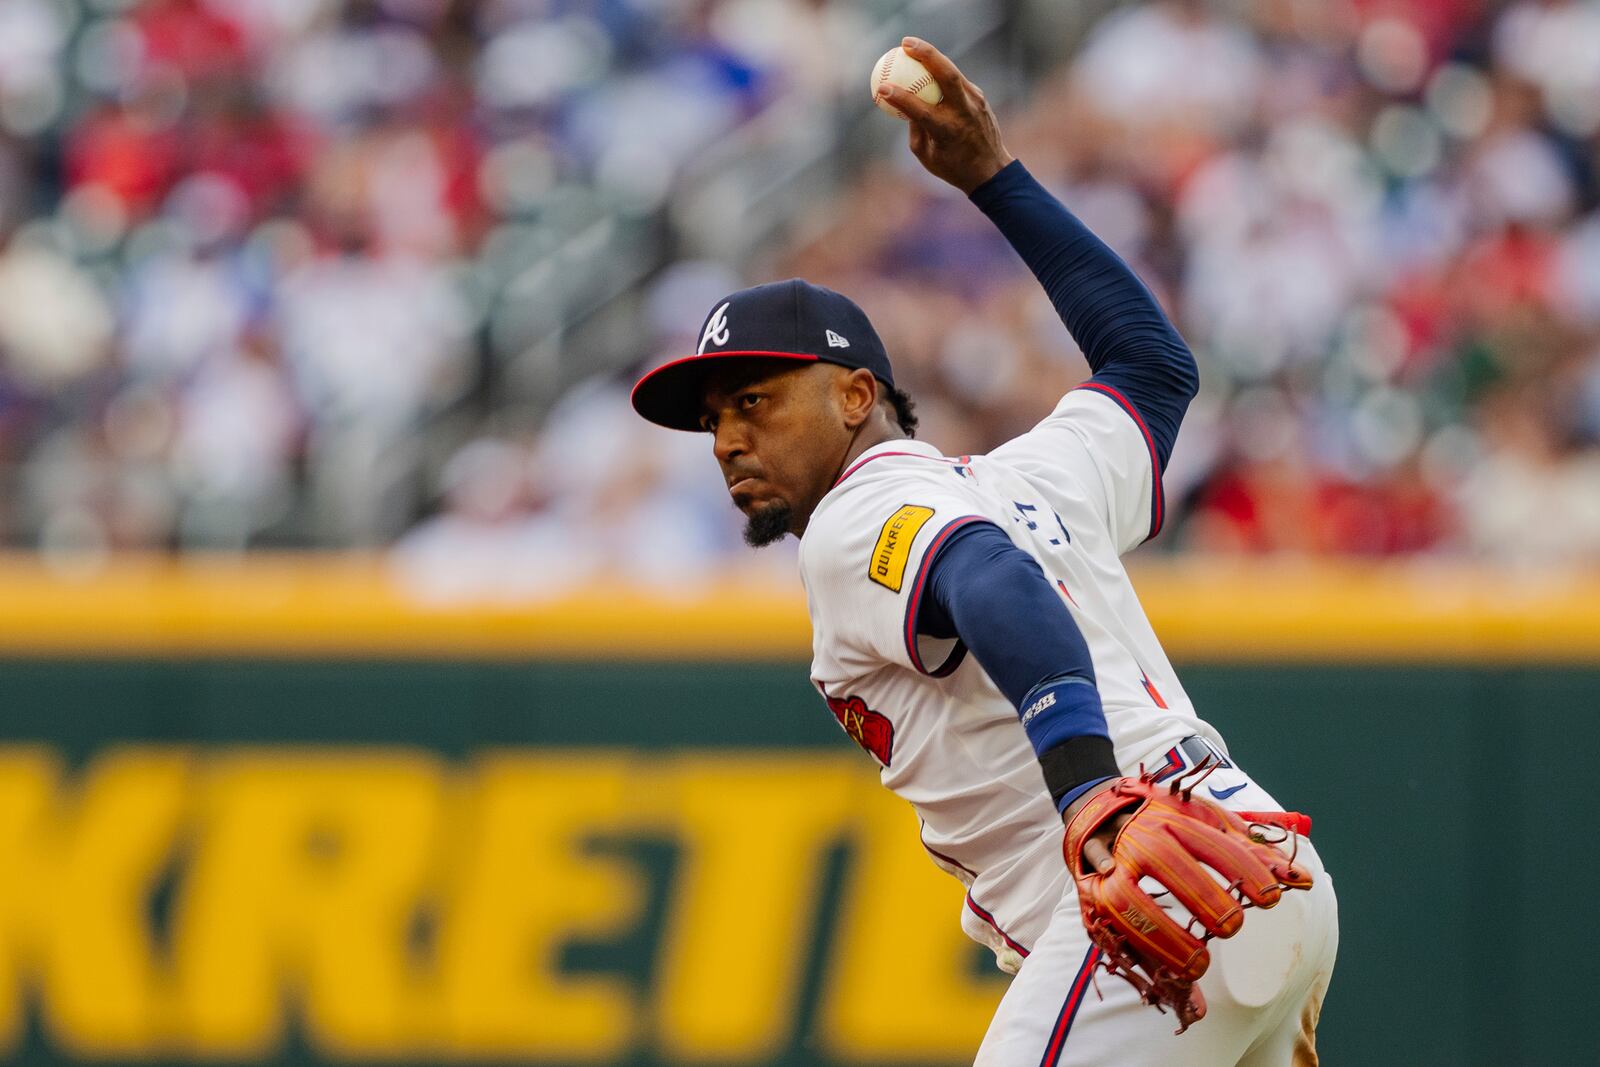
x=1186 y=755
x=1193 y=750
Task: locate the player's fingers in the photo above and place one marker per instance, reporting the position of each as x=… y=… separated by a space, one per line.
x=919 y=139
x=939 y=65
x=1098 y=855
x=910 y=105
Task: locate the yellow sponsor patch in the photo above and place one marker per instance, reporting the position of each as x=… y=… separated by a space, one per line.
x=888 y=564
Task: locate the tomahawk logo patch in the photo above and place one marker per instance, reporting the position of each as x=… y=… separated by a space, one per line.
x=887 y=566
x=867 y=728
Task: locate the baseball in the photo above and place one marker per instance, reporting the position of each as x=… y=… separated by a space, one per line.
x=897 y=68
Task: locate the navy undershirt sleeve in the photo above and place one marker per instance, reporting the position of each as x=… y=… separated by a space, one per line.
x=985 y=590
x=993 y=596
x=1128 y=340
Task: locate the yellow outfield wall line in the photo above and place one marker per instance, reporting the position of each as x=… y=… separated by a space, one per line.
x=1204 y=610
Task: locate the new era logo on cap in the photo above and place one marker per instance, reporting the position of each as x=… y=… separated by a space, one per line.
x=788 y=320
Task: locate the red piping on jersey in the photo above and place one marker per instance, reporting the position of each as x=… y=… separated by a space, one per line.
x=864 y=460
x=1069 y=1009
x=978 y=910
x=1157 y=505
x=915 y=600
x=951 y=860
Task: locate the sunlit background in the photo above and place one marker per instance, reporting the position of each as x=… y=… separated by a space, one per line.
x=317 y=325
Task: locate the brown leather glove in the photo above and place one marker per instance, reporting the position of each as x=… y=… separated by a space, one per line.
x=1167 y=835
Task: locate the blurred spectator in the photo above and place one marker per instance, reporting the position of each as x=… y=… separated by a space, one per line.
x=55 y=327
x=237 y=433
x=496 y=537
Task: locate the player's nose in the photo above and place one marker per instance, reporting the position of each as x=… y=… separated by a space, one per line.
x=729 y=441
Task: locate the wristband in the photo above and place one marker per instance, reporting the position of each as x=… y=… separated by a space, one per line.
x=1071 y=767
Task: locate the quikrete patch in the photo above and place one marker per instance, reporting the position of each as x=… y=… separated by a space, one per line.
x=888 y=564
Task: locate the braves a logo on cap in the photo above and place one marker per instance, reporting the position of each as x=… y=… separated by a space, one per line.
x=716 y=330
x=835 y=341
x=867 y=728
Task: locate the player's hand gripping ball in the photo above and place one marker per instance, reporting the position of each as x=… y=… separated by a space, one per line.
x=897 y=68
x=1168 y=835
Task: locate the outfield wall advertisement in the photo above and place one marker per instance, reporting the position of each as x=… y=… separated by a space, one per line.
x=580 y=906
x=439 y=862
x=280 y=857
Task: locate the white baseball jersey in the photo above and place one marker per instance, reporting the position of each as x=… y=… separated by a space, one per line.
x=1075 y=492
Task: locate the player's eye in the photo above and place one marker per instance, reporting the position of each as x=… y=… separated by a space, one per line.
x=749 y=400
x=708 y=423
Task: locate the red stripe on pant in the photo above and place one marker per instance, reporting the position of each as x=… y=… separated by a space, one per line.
x=1069 y=1008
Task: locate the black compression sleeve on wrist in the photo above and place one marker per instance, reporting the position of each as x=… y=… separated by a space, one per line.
x=1077 y=760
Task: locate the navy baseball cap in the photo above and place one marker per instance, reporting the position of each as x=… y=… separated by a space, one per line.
x=780 y=320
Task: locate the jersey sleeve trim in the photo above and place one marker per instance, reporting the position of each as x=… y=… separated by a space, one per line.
x=947 y=860
x=1157 y=503
x=864 y=460
x=983 y=913
x=914 y=602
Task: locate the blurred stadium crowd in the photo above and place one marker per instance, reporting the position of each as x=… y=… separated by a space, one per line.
x=265 y=268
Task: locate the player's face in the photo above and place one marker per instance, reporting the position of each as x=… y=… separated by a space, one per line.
x=779 y=436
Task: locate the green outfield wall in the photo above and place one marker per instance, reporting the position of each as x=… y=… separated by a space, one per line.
x=284 y=810
x=293 y=859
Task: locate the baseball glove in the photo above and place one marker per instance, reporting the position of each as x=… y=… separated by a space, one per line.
x=1167 y=836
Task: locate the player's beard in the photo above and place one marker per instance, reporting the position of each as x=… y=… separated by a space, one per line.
x=767 y=523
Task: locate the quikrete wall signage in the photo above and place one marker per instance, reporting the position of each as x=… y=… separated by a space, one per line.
x=182 y=903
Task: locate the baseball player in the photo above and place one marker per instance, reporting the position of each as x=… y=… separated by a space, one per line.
x=974 y=630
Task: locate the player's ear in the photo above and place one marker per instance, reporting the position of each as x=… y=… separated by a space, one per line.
x=857 y=395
